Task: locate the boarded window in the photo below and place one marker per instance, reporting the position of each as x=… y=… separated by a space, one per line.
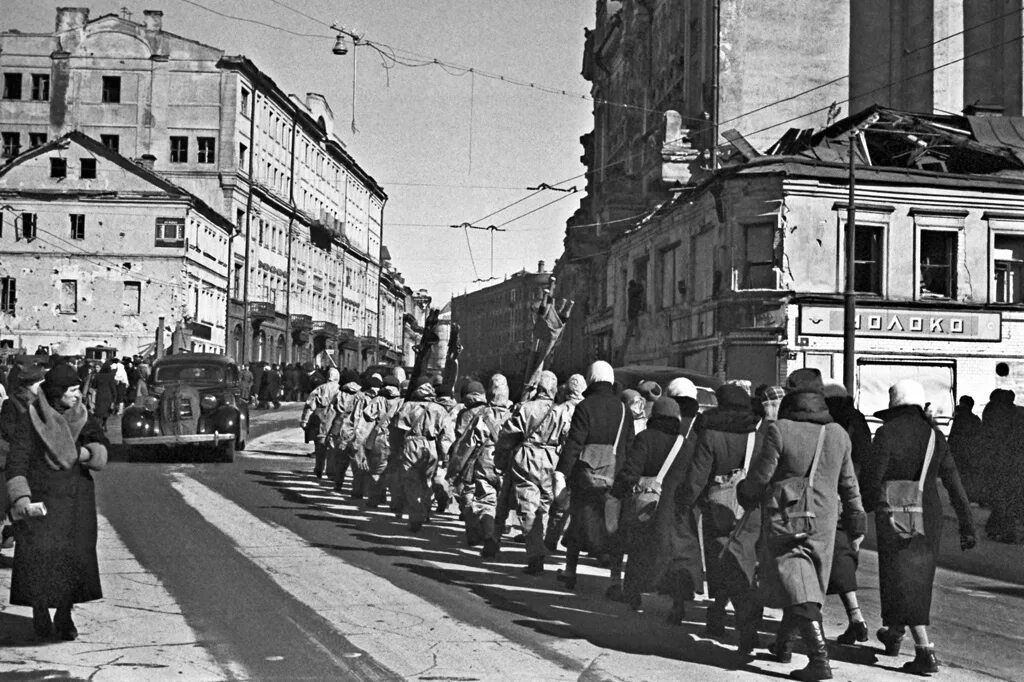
x=669 y=278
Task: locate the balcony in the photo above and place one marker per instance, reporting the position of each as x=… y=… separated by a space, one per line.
x=324 y=328
x=261 y=311
x=302 y=322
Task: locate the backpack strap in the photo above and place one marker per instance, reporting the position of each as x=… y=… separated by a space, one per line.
x=927 y=459
x=817 y=456
x=618 y=435
x=676 y=447
x=536 y=427
x=751 y=437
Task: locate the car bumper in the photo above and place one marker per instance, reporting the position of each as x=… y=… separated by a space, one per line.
x=190 y=439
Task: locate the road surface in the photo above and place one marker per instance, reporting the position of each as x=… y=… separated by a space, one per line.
x=257 y=570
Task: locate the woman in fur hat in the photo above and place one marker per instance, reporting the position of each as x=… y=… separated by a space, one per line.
x=55 y=447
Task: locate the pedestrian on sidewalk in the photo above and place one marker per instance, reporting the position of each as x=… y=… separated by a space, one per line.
x=55 y=448
x=527 y=452
x=106 y=394
x=909 y=449
x=965 y=445
x=805 y=465
x=728 y=438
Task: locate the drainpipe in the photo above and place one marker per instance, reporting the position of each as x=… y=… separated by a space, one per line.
x=289 y=342
x=716 y=20
x=248 y=232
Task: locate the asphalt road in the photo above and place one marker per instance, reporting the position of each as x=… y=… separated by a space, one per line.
x=256 y=570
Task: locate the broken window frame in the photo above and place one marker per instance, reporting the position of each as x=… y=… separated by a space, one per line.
x=874 y=262
x=68 y=297
x=1007 y=292
x=8 y=295
x=940 y=282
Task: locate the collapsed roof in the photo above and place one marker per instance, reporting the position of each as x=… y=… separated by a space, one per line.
x=976 y=145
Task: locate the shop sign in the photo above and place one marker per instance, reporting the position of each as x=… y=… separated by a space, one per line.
x=904 y=323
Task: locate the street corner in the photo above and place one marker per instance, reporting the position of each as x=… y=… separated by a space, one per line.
x=285 y=442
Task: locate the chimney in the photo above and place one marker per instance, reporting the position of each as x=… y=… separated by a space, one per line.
x=146 y=161
x=154 y=20
x=540 y=266
x=69 y=18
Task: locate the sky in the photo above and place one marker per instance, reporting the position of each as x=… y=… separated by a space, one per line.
x=448 y=146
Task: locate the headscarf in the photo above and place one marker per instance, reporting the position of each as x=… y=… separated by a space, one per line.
x=600 y=371
x=547 y=385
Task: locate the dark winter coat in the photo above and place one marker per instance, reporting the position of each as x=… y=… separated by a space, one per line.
x=965 y=446
x=906 y=570
x=596 y=420
x=270 y=386
x=800 y=575
x=55 y=556
x=644 y=543
x=722 y=449
x=846 y=559
x=106 y=391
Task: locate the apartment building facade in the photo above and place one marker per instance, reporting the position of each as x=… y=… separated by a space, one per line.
x=304 y=264
x=96 y=250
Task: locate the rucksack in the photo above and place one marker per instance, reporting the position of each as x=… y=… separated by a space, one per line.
x=642 y=504
x=789 y=521
x=901 y=510
x=721 y=503
x=595 y=469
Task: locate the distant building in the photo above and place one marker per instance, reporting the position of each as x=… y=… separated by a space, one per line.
x=95 y=249
x=304 y=259
x=496 y=324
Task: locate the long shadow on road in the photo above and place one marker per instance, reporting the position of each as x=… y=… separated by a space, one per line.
x=438 y=554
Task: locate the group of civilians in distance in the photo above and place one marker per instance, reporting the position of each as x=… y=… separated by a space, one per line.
x=49 y=447
x=765 y=498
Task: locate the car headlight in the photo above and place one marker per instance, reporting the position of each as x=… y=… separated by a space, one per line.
x=208 y=402
x=151 y=403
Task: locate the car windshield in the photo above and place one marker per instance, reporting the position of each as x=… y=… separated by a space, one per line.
x=190 y=373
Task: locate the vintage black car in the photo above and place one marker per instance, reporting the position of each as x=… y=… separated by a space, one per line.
x=194 y=401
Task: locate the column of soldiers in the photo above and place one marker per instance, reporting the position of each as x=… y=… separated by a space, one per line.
x=762 y=498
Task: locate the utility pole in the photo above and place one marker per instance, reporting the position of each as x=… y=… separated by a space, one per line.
x=850 y=291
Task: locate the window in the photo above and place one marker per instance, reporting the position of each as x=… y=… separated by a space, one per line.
x=12 y=86
x=242 y=151
x=111 y=90
x=41 y=87
x=759 y=257
x=131 y=298
x=8 y=294
x=207 y=145
x=77 y=226
x=28 y=226
x=243 y=102
x=179 y=149
x=68 y=296
x=867 y=259
x=36 y=139
x=1008 y=268
x=88 y=169
x=11 y=144
x=170 y=232
x=58 y=168
x=111 y=142
x=938 y=264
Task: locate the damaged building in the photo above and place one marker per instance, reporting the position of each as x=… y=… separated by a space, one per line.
x=741 y=273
